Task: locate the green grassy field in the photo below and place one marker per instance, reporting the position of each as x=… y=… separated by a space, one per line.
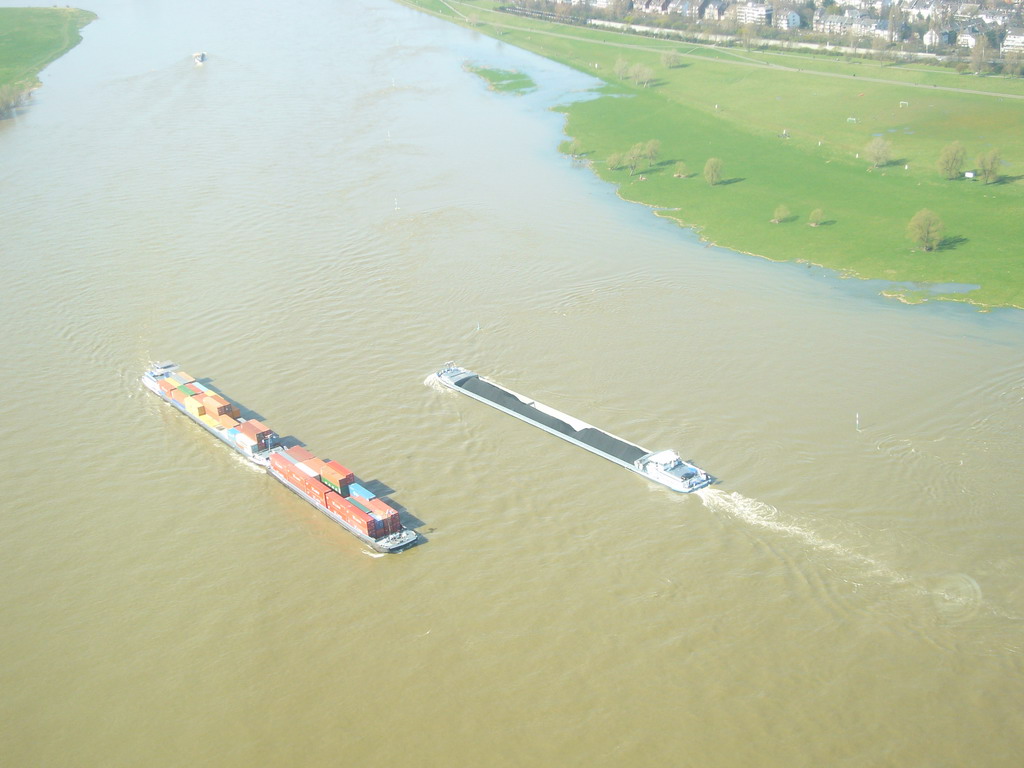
x=32 y=38
x=504 y=80
x=789 y=128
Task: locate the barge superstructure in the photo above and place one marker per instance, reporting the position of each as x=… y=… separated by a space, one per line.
x=664 y=467
x=327 y=485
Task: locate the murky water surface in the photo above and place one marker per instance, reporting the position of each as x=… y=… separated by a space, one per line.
x=324 y=213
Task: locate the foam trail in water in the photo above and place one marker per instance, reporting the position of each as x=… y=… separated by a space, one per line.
x=432 y=382
x=766 y=516
x=373 y=554
x=956 y=596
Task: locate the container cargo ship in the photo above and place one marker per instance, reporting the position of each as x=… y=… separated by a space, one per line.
x=327 y=485
x=664 y=467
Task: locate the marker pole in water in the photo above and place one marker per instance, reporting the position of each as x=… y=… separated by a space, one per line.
x=858 y=421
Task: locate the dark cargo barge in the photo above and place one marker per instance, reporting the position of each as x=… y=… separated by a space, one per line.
x=664 y=467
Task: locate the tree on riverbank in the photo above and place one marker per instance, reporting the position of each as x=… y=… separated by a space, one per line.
x=951 y=160
x=671 y=59
x=633 y=156
x=817 y=217
x=681 y=170
x=925 y=229
x=988 y=165
x=878 y=151
x=641 y=74
x=781 y=214
x=614 y=161
x=713 y=171
x=651 y=151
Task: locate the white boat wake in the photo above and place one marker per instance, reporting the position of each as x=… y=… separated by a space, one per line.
x=766 y=516
x=956 y=597
x=432 y=382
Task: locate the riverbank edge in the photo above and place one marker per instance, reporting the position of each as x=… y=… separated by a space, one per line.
x=908 y=295
x=26 y=79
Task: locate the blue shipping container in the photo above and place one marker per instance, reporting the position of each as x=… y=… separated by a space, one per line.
x=355 y=489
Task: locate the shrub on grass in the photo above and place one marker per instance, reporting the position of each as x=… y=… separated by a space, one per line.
x=951 y=160
x=925 y=229
x=713 y=171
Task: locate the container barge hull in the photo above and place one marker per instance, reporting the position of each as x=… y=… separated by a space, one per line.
x=664 y=467
x=395 y=542
x=310 y=477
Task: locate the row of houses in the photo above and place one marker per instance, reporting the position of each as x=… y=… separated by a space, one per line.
x=962 y=24
x=968 y=37
x=755 y=13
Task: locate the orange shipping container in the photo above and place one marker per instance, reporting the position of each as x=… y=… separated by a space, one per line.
x=253 y=428
x=315 y=465
x=382 y=509
x=216 y=405
x=178 y=396
x=226 y=421
x=166 y=385
x=337 y=473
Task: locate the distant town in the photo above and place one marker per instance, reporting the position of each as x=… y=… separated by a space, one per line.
x=987 y=37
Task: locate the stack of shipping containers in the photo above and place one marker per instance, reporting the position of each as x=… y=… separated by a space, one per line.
x=328 y=483
x=332 y=486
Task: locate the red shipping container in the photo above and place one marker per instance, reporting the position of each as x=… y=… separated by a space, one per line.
x=178 y=396
x=331 y=501
x=294 y=476
x=287 y=470
x=279 y=462
x=316 y=489
x=351 y=514
x=299 y=454
x=166 y=385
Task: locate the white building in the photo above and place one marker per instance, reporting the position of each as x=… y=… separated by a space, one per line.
x=754 y=13
x=937 y=37
x=1014 y=40
x=786 y=18
x=967 y=39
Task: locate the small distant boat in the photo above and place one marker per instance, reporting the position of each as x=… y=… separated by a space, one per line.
x=199 y=58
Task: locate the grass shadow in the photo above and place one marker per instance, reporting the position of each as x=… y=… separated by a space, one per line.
x=737 y=180
x=1008 y=179
x=951 y=242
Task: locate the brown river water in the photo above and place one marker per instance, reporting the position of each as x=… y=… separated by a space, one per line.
x=327 y=211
